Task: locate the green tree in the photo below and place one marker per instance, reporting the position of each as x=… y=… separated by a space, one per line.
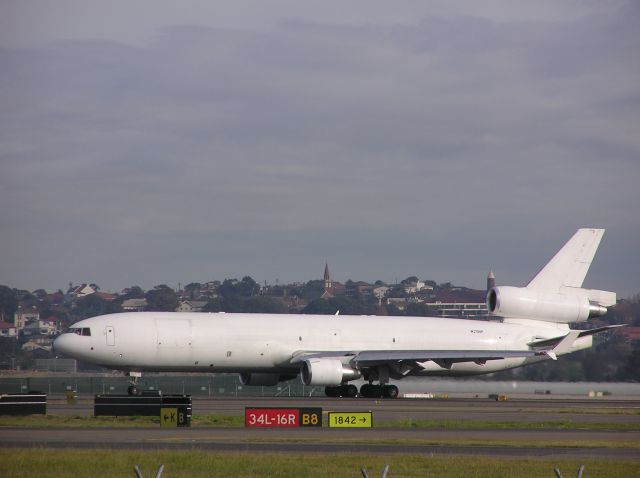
x=162 y=298
x=192 y=288
x=92 y=305
x=312 y=290
x=8 y=303
x=264 y=305
x=417 y=310
x=409 y=280
x=247 y=287
x=228 y=288
x=630 y=369
x=133 y=292
x=214 y=305
x=343 y=305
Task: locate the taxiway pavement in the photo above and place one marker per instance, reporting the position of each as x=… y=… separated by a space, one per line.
x=536 y=443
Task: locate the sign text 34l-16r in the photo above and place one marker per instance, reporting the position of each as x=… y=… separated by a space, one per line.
x=282 y=417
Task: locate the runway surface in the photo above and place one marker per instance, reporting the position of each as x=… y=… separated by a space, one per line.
x=534 y=443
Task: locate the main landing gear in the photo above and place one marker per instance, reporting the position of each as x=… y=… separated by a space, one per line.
x=349 y=391
x=367 y=391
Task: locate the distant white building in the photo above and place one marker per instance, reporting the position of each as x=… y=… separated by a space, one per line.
x=413 y=287
x=25 y=315
x=380 y=291
x=134 y=305
x=47 y=327
x=31 y=345
x=191 y=306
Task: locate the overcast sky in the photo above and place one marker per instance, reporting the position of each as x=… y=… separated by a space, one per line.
x=149 y=142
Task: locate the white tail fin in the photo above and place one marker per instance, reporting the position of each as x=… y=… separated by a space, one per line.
x=555 y=293
x=570 y=265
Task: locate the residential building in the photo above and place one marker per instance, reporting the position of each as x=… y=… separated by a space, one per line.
x=8 y=330
x=24 y=315
x=191 y=306
x=134 y=305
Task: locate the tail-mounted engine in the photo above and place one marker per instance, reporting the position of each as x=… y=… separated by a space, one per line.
x=574 y=305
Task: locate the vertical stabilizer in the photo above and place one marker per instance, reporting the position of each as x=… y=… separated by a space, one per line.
x=570 y=265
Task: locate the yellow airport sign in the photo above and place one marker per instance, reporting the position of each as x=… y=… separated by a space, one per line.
x=350 y=419
x=169 y=417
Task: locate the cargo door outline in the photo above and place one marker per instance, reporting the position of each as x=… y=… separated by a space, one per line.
x=174 y=341
x=111 y=335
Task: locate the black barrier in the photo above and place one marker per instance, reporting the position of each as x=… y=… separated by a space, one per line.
x=145 y=405
x=32 y=403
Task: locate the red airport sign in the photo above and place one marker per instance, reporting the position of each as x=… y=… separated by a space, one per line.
x=282 y=417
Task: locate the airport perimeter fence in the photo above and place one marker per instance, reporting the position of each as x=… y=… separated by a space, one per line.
x=217 y=385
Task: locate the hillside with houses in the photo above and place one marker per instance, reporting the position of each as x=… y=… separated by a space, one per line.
x=30 y=320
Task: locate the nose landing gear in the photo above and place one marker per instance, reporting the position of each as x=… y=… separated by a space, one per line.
x=133 y=388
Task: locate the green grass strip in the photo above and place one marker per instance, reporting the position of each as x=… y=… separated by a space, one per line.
x=506 y=425
x=44 y=463
x=237 y=421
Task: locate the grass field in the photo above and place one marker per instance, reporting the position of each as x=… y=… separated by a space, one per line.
x=108 y=463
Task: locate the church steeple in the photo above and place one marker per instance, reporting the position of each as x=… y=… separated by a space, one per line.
x=328 y=284
x=327 y=277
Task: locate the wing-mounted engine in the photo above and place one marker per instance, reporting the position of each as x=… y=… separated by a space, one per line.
x=266 y=379
x=572 y=305
x=327 y=372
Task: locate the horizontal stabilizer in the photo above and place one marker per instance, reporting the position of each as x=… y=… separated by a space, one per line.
x=604 y=298
x=555 y=341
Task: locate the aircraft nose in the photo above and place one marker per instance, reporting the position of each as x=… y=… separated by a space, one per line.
x=63 y=345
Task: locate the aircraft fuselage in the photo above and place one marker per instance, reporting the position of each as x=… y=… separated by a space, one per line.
x=266 y=343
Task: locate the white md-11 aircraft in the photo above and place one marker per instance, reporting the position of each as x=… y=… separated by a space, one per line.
x=531 y=325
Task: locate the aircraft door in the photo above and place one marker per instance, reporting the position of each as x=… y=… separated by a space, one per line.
x=111 y=335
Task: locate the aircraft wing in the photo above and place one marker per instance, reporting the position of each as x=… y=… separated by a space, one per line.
x=377 y=357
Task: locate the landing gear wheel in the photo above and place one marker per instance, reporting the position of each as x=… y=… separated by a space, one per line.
x=332 y=391
x=350 y=391
x=368 y=390
x=390 y=391
x=133 y=390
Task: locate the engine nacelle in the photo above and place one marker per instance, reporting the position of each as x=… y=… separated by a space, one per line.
x=327 y=372
x=266 y=379
x=526 y=303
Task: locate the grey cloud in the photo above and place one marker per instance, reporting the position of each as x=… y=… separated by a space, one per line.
x=429 y=147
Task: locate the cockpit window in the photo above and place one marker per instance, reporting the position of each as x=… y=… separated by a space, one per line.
x=86 y=331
